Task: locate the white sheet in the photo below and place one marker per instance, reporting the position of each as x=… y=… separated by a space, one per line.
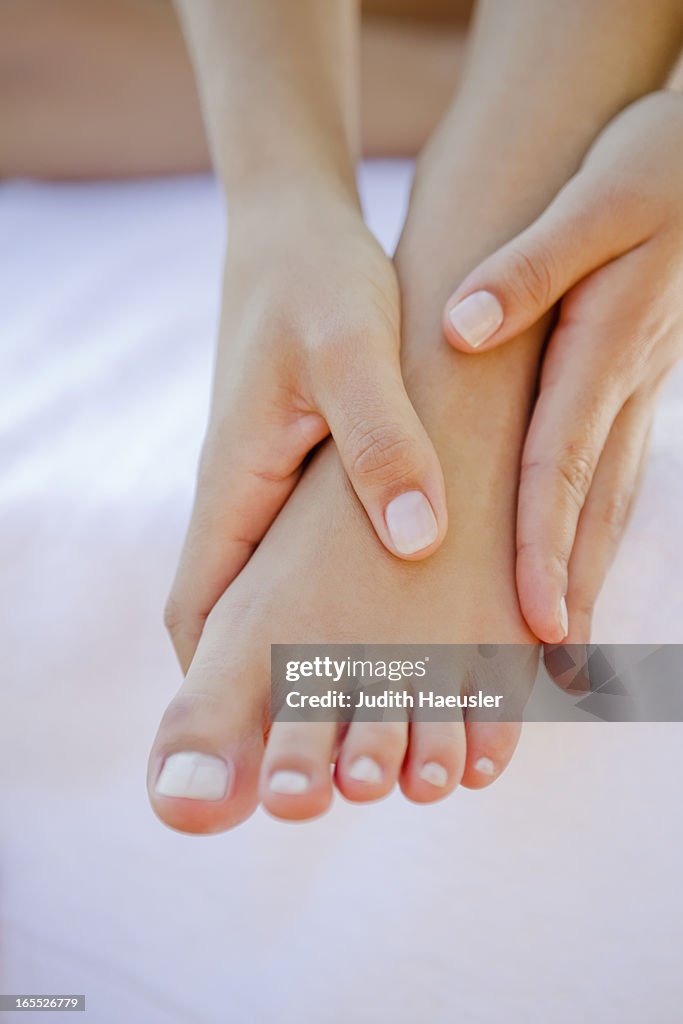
x=555 y=896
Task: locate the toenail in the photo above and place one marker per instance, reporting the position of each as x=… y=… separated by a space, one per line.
x=364 y=769
x=486 y=766
x=435 y=774
x=411 y=522
x=289 y=783
x=193 y=776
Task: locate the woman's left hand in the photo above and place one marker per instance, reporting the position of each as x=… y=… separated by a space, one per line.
x=609 y=249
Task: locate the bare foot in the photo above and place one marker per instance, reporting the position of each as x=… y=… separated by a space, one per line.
x=321 y=576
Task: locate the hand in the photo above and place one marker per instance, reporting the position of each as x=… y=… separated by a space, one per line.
x=309 y=345
x=609 y=248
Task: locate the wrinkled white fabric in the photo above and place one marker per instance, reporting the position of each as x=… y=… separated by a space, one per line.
x=554 y=896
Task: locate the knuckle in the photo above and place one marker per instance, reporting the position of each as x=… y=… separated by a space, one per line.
x=533 y=556
x=622 y=194
x=334 y=347
x=573 y=468
x=575 y=471
x=344 y=347
x=529 y=277
x=327 y=347
x=380 y=453
x=615 y=513
x=583 y=607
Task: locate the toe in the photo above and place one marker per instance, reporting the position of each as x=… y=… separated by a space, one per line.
x=205 y=761
x=490 y=746
x=204 y=765
x=435 y=761
x=370 y=759
x=296 y=781
x=507 y=672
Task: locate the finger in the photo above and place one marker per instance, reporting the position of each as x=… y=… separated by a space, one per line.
x=386 y=452
x=575 y=410
x=246 y=475
x=512 y=289
x=606 y=512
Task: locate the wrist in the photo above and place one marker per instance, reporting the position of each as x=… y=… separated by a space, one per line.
x=258 y=163
x=276 y=211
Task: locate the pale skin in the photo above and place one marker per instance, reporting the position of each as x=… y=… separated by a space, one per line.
x=288 y=325
x=609 y=249
x=318 y=361
x=465 y=203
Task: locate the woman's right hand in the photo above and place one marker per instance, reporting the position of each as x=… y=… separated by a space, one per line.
x=309 y=346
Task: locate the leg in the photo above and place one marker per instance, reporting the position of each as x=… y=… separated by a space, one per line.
x=465 y=201
x=409 y=71
x=99 y=89
x=106 y=89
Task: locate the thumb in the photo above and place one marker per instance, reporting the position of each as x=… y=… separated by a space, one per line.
x=512 y=289
x=386 y=452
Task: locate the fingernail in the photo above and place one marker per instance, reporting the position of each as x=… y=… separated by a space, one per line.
x=289 y=783
x=193 y=776
x=411 y=523
x=477 y=317
x=564 y=617
x=364 y=769
x=485 y=766
x=435 y=774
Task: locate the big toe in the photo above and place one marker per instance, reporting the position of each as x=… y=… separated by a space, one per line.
x=206 y=757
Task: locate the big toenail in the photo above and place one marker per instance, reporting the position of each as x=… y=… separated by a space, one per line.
x=486 y=766
x=193 y=776
x=289 y=783
x=364 y=769
x=435 y=774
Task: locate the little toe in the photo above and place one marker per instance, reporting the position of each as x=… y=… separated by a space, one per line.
x=490 y=746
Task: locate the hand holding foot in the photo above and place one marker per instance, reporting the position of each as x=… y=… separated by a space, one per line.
x=309 y=340
x=216 y=753
x=609 y=248
x=309 y=345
